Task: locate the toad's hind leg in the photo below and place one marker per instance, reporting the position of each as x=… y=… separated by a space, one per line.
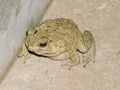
x=87 y=47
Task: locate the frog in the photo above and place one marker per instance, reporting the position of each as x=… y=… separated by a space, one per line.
x=60 y=39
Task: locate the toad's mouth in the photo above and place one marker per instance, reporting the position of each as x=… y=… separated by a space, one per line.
x=42 y=52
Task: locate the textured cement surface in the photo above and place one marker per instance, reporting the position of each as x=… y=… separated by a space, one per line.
x=102 y=18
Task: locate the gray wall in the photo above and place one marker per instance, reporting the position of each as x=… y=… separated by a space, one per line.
x=16 y=16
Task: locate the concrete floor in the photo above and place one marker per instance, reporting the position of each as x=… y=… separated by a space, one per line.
x=102 y=18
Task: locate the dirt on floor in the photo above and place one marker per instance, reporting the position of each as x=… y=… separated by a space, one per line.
x=102 y=18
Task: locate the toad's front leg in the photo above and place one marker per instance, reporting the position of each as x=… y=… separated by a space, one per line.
x=24 y=53
x=73 y=56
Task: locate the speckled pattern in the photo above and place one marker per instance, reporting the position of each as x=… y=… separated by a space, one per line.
x=102 y=18
x=60 y=39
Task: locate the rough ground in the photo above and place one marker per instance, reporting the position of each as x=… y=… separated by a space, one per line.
x=102 y=18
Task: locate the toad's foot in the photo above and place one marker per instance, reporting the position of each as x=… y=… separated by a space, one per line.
x=69 y=64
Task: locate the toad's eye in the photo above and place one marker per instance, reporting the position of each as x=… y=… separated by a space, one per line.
x=35 y=32
x=43 y=44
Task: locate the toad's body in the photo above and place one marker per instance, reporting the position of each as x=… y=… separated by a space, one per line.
x=60 y=39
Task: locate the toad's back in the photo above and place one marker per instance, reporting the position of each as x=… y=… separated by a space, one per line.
x=61 y=25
